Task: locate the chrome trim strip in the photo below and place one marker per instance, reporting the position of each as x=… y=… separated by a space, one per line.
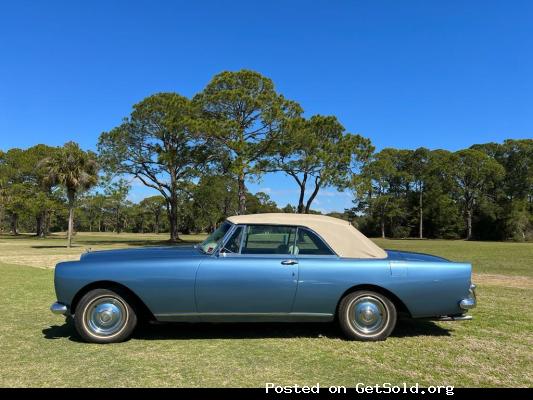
x=59 y=309
x=245 y=314
x=225 y=238
x=230 y=232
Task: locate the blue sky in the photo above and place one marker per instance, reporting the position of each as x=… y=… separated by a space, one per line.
x=439 y=74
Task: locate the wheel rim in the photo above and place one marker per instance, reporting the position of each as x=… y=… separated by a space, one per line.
x=105 y=316
x=369 y=315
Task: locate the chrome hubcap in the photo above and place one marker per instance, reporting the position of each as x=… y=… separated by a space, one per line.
x=368 y=315
x=105 y=316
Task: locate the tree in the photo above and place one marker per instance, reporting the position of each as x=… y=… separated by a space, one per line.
x=214 y=199
x=117 y=192
x=3 y=189
x=73 y=169
x=157 y=145
x=380 y=188
x=93 y=207
x=14 y=186
x=260 y=203
x=155 y=206
x=289 y=209
x=418 y=165
x=243 y=117
x=14 y=200
x=25 y=189
x=318 y=149
x=137 y=216
x=43 y=201
x=513 y=208
x=442 y=211
x=476 y=174
x=516 y=156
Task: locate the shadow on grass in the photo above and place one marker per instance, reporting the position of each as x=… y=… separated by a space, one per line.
x=66 y=330
x=131 y=243
x=20 y=236
x=418 y=327
x=186 y=331
x=56 y=247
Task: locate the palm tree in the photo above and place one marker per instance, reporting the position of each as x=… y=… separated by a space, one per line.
x=73 y=169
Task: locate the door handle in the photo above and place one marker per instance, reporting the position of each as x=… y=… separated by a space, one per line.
x=289 y=262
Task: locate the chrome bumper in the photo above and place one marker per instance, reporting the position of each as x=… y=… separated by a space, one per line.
x=470 y=301
x=59 y=309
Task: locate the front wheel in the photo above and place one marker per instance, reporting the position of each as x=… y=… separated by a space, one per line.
x=104 y=316
x=366 y=315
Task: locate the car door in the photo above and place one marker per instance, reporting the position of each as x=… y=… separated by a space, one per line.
x=320 y=271
x=253 y=275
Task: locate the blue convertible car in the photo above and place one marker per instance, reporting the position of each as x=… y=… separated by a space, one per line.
x=263 y=267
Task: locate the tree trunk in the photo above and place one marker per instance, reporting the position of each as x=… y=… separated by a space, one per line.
x=70 y=222
x=301 y=208
x=117 y=221
x=468 y=224
x=70 y=197
x=156 y=224
x=38 y=225
x=242 y=194
x=227 y=203
x=312 y=197
x=14 y=221
x=383 y=228
x=173 y=218
x=421 y=222
x=48 y=222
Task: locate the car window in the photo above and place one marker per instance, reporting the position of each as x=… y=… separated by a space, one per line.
x=234 y=242
x=212 y=241
x=308 y=243
x=269 y=239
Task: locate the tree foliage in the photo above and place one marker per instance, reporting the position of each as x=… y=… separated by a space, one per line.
x=477 y=175
x=242 y=117
x=157 y=145
x=438 y=193
x=75 y=171
x=199 y=155
x=318 y=150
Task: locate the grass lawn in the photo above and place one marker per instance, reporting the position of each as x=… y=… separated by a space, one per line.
x=505 y=258
x=495 y=349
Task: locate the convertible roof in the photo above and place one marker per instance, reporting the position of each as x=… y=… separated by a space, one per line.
x=341 y=236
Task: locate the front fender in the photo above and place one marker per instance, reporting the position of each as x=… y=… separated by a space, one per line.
x=164 y=286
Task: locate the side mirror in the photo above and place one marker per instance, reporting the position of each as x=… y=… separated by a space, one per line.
x=222 y=252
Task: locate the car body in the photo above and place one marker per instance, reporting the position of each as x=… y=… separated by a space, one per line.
x=266 y=267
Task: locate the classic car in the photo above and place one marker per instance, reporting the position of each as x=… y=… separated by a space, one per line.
x=262 y=267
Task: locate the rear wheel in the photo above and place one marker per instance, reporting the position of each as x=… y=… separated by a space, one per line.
x=104 y=316
x=367 y=315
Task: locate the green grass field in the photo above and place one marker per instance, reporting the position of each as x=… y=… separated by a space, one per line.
x=495 y=349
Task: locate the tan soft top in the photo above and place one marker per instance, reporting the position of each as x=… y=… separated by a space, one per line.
x=340 y=235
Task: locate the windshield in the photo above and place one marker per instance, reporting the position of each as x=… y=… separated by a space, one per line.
x=210 y=244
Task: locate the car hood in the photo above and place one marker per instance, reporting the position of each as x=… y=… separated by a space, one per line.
x=395 y=255
x=142 y=253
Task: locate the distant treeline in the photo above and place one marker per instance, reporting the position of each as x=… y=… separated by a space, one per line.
x=200 y=153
